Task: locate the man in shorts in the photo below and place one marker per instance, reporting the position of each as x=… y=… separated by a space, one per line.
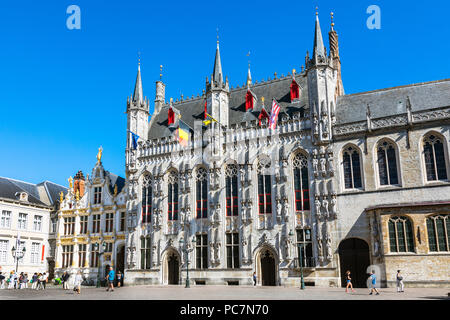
x=373 y=282
x=110 y=279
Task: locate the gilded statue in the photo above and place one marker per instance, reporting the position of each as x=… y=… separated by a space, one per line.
x=99 y=154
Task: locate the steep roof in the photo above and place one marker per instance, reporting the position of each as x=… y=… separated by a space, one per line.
x=193 y=109
x=392 y=101
x=9 y=188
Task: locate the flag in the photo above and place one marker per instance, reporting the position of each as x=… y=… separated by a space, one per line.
x=206 y=121
x=182 y=133
x=274 y=115
x=135 y=139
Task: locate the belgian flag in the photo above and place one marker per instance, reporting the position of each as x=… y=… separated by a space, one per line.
x=183 y=133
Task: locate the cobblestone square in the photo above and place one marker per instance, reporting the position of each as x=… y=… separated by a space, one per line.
x=223 y=293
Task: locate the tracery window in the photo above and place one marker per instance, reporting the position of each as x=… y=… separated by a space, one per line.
x=82 y=255
x=231 y=190
x=145 y=253
x=232 y=250
x=301 y=185
x=202 y=193
x=387 y=163
x=352 y=168
x=201 y=253
x=94 y=255
x=147 y=199
x=433 y=150
x=172 y=199
x=264 y=186
x=438 y=228
x=67 y=256
x=401 y=234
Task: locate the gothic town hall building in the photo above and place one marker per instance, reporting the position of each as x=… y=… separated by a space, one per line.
x=355 y=182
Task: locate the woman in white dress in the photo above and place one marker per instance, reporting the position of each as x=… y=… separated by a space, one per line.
x=77 y=282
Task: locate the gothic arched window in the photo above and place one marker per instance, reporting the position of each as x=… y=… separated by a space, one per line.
x=172 y=197
x=401 y=234
x=264 y=187
x=147 y=199
x=387 y=163
x=352 y=168
x=231 y=190
x=202 y=193
x=433 y=151
x=301 y=184
x=438 y=228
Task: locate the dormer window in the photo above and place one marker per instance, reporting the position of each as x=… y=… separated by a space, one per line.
x=170 y=117
x=263 y=116
x=249 y=101
x=295 y=90
x=97 y=195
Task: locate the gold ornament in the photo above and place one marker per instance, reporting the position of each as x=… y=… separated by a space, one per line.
x=78 y=195
x=70 y=182
x=61 y=197
x=115 y=189
x=99 y=154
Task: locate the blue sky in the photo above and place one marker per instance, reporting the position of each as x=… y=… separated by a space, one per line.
x=63 y=92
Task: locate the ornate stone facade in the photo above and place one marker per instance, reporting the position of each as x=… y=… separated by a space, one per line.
x=243 y=198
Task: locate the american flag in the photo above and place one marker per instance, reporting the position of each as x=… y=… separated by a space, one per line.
x=274 y=115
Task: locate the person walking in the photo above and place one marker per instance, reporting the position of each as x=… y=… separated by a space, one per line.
x=21 y=281
x=2 y=281
x=44 y=280
x=65 y=279
x=26 y=280
x=349 y=281
x=254 y=278
x=77 y=282
x=110 y=279
x=11 y=284
x=400 y=285
x=373 y=282
x=34 y=281
x=40 y=279
x=119 y=278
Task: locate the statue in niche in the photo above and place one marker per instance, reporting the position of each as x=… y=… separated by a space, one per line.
x=244 y=247
x=323 y=165
x=329 y=251
x=286 y=209
x=325 y=206
x=318 y=208
x=279 y=207
x=316 y=124
x=333 y=203
x=242 y=173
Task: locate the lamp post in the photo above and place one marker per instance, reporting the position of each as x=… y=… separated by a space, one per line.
x=187 y=261
x=18 y=254
x=99 y=259
x=300 y=260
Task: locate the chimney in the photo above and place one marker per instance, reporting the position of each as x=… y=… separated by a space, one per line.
x=79 y=183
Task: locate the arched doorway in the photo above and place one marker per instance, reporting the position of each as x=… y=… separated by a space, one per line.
x=173 y=268
x=268 y=268
x=354 y=256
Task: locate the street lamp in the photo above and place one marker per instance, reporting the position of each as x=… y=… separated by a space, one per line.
x=300 y=259
x=187 y=261
x=18 y=254
x=99 y=258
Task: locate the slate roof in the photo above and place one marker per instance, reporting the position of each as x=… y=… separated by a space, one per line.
x=115 y=179
x=392 y=101
x=9 y=188
x=193 y=109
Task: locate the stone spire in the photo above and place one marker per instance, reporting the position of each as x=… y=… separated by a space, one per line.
x=249 y=77
x=334 y=56
x=319 y=48
x=217 y=76
x=138 y=95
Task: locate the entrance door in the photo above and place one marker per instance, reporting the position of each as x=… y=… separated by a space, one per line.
x=173 y=267
x=267 y=269
x=120 y=259
x=354 y=256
